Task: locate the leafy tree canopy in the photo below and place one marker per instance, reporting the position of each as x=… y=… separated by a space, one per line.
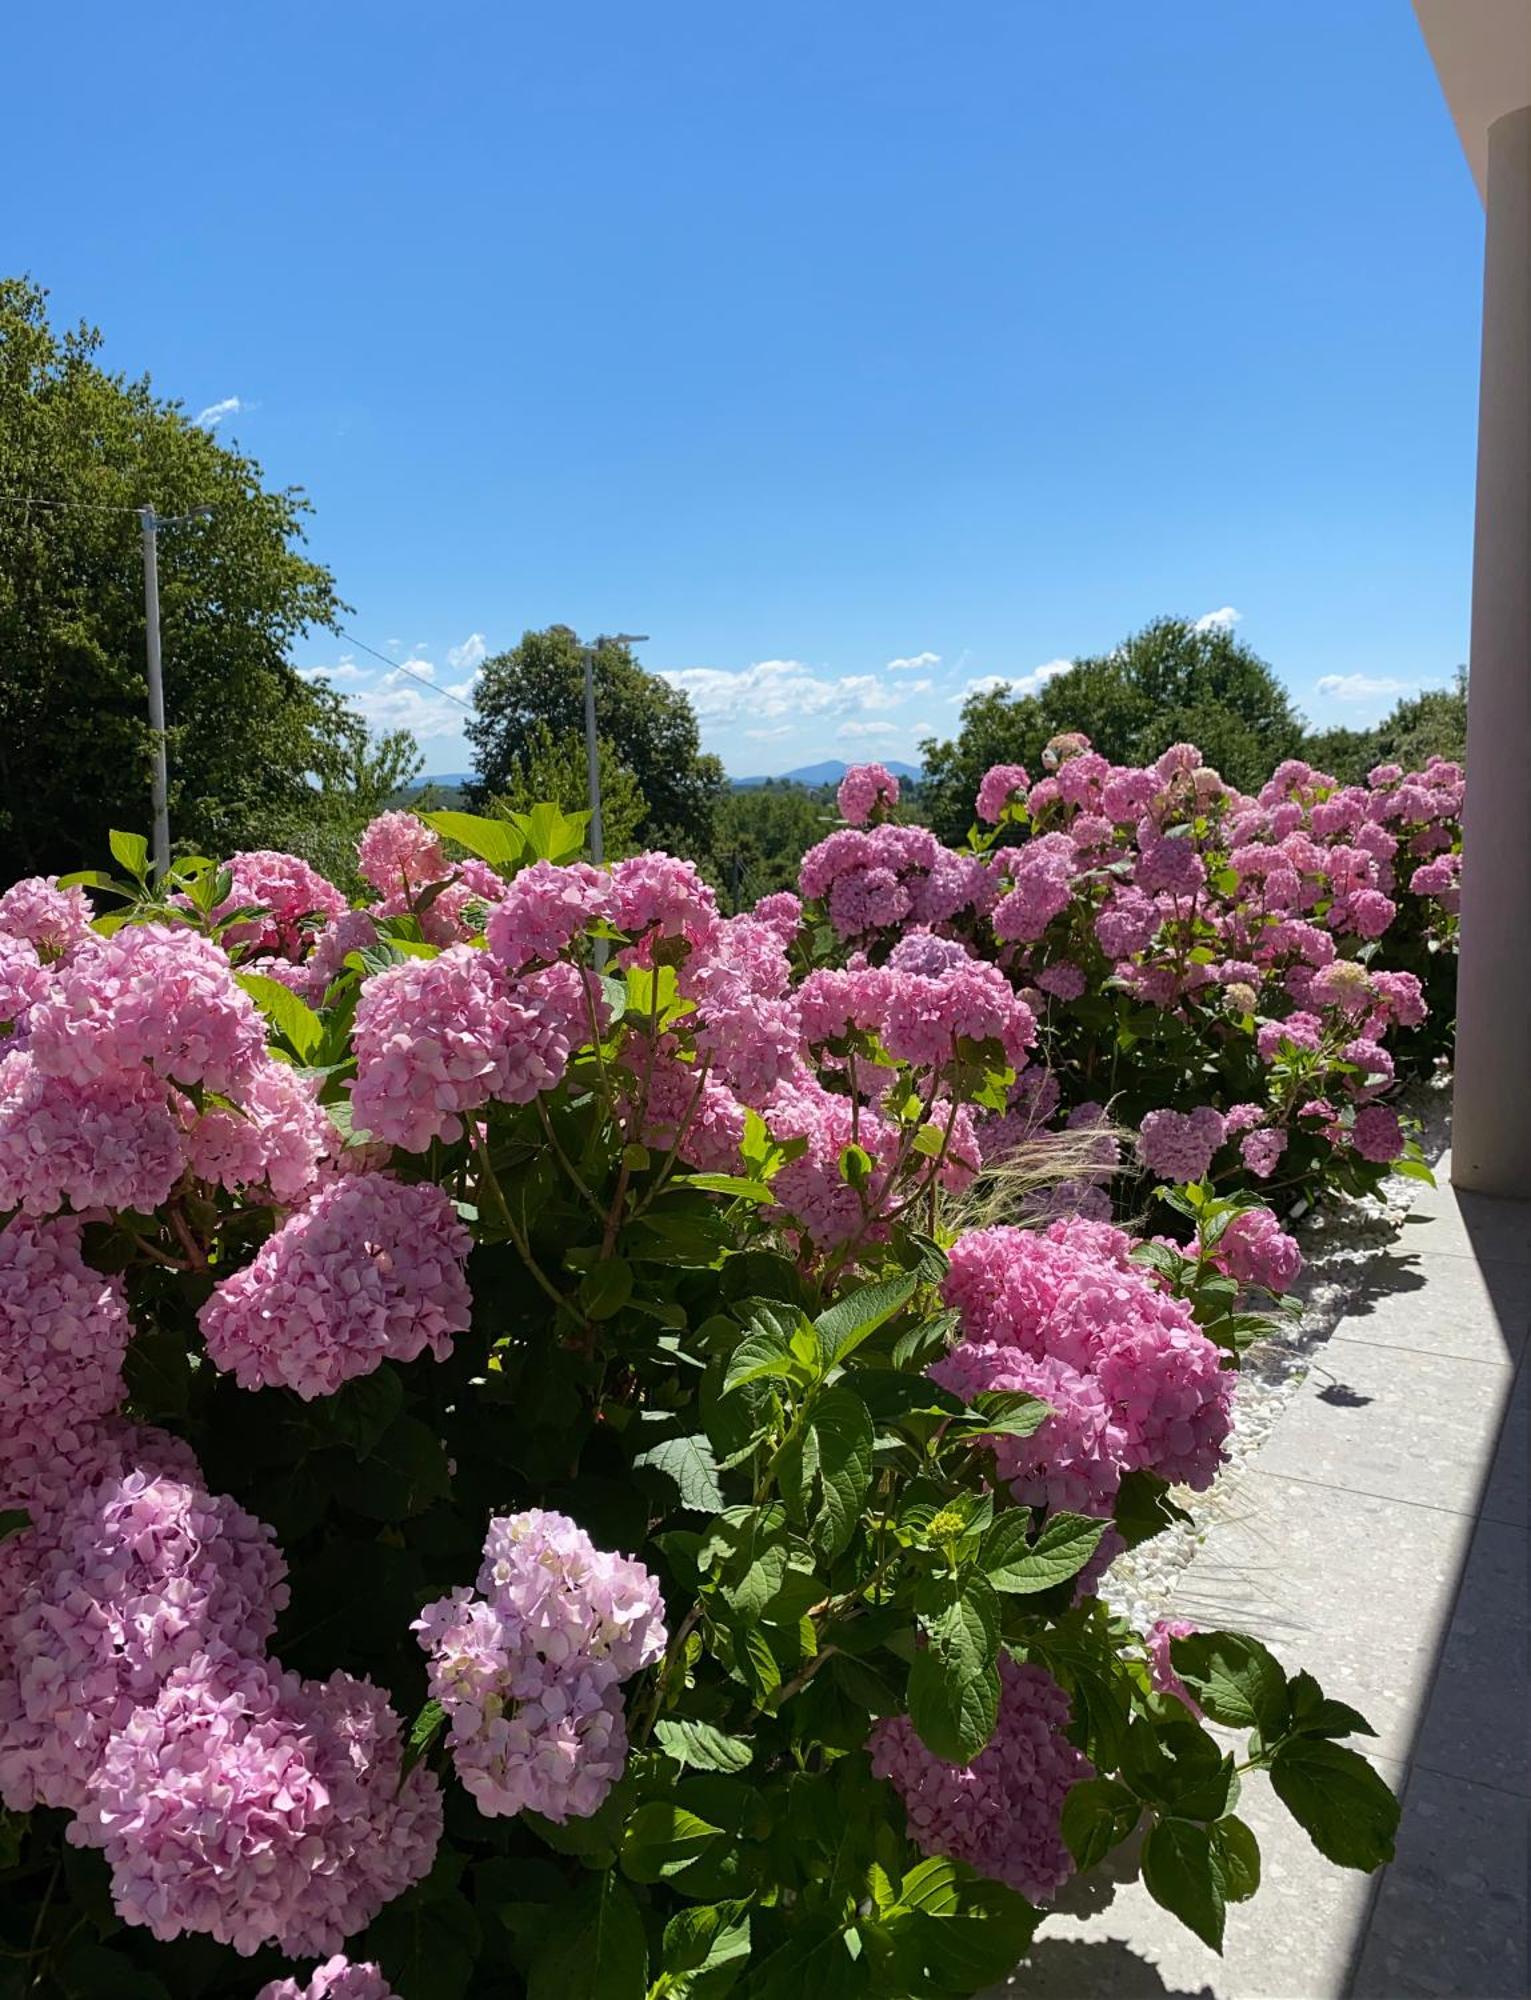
x=649 y=725
x=258 y=755
x=1169 y=683
x=1422 y=726
x=555 y=769
x=763 y=832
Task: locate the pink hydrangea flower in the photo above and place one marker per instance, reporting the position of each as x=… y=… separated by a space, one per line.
x=64 y=1330
x=1000 y=784
x=659 y=893
x=1377 y=1134
x=54 y=921
x=400 y=855
x=1261 y=1151
x=288 y=894
x=24 y=980
x=108 y=1141
x=145 y=1572
x=336 y=1979
x=528 y=1668
x=370 y=1270
x=1041 y=888
x=1256 y=1250
x=277 y=1134
x=1179 y=1145
x=1160 y=1635
x=437 y=1038
x=544 y=910
x=258 y=1808
x=1000 y=1814
x=864 y=790
x=152 y=998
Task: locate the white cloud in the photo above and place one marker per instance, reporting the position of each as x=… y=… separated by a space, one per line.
x=780 y=691
x=849 y=730
x=471 y=653
x=914 y=662
x=413 y=669
x=1019 y=684
x=769 y=735
x=407 y=706
x=1361 y=687
x=347 y=670
x=1222 y=620
x=214 y=414
x=924 y=729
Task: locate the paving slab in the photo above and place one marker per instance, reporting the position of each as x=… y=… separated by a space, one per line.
x=1450 y=1916
x=1508 y=1494
x=1394 y=1423
x=1272 y=1948
x=1355 y=1588
x=1470 y=1225
x=1477 y=1723
x=1440 y=1304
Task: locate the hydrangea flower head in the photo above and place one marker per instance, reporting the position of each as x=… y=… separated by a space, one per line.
x=400 y=855
x=864 y=790
x=1000 y=1814
x=370 y=1270
x=1000 y=784
x=149 y=997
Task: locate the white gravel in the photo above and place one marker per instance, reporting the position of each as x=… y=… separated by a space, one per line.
x=1338 y=1244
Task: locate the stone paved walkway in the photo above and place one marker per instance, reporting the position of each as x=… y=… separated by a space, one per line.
x=1380 y=1539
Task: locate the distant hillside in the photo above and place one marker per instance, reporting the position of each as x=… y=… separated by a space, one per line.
x=830 y=772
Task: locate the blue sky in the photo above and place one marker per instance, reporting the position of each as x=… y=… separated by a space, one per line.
x=857 y=353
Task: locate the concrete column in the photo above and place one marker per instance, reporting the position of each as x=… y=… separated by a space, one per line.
x=1491 y=1133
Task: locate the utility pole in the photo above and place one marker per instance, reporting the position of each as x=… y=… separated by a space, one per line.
x=592 y=738
x=151 y=523
x=161 y=778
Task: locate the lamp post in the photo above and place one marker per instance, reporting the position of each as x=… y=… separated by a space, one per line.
x=151 y=523
x=592 y=740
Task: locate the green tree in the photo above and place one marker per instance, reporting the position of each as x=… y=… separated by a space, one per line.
x=365 y=779
x=649 y=725
x=1169 y=683
x=555 y=769
x=763 y=832
x=256 y=752
x=1421 y=726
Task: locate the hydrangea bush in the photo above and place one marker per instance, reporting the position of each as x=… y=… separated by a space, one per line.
x=523 y=1468
x=1242 y=980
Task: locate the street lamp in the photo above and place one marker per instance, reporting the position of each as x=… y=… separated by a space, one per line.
x=592 y=747
x=151 y=523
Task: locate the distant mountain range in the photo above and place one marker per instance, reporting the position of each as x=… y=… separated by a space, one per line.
x=830 y=772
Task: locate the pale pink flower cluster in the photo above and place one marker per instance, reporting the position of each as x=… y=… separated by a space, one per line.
x=152 y=999
x=1179 y=1145
x=64 y=1330
x=1161 y=1634
x=400 y=856
x=865 y=791
x=529 y=1666
x=438 y=1038
x=870 y=879
x=370 y=1270
x=1000 y=1814
x=54 y=921
x=1132 y=1381
x=290 y=900
x=336 y=1979
x=23 y=982
x=255 y=1807
x=142 y=1573
x=1001 y=784
x=1256 y=1250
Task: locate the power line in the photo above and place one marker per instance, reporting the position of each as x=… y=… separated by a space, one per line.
x=399 y=667
x=90 y=506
